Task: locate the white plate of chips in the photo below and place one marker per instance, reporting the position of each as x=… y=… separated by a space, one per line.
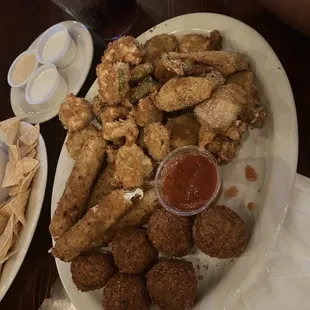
x=25 y=177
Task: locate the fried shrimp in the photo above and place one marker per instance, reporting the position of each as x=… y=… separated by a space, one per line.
x=113 y=82
x=157 y=140
x=75 y=113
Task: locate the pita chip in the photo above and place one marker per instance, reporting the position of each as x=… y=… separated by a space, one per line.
x=18 y=205
x=29 y=164
x=10 y=128
x=13 y=173
x=27 y=181
x=30 y=136
x=13 y=153
x=25 y=149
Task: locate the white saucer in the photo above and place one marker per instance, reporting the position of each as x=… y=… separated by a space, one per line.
x=75 y=75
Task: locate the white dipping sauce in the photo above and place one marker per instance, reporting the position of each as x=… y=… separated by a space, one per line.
x=54 y=46
x=24 y=68
x=43 y=84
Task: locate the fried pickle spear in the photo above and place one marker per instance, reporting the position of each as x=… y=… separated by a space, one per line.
x=137 y=216
x=223 y=61
x=75 y=113
x=76 y=140
x=92 y=225
x=140 y=72
x=132 y=166
x=157 y=140
x=113 y=82
x=180 y=93
x=145 y=112
x=73 y=200
x=184 y=130
x=147 y=86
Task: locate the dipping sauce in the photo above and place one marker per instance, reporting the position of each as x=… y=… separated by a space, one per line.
x=23 y=68
x=189 y=181
x=250 y=173
x=43 y=84
x=54 y=46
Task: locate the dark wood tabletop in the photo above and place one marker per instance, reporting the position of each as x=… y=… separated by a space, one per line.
x=22 y=22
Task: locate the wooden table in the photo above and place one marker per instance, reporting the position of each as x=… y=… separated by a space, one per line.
x=22 y=22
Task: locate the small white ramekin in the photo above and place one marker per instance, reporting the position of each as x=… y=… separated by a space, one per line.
x=57 y=93
x=68 y=51
x=13 y=66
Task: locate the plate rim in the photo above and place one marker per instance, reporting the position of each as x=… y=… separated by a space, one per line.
x=23 y=250
x=294 y=122
x=88 y=41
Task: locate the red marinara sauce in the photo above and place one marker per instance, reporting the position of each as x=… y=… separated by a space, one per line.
x=189 y=181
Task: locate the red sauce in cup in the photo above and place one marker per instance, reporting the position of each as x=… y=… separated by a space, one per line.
x=189 y=181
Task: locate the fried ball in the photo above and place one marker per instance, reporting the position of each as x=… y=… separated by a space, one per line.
x=220 y=232
x=170 y=234
x=184 y=130
x=76 y=140
x=157 y=140
x=172 y=285
x=75 y=113
x=145 y=112
x=158 y=45
x=132 y=250
x=126 y=292
x=91 y=271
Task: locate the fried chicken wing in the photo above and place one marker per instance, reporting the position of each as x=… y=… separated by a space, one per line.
x=223 y=148
x=180 y=93
x=132 y=166
x=111 y=152
x=140 y=72
x=113 y=82
x=126 y=49
x=158 y=45
x=75 y=113
x=157 y=140
x=223 y=109
x=255 y=113
x=184 y=130
x=76 y=140
x=122 y=128
x=145 y=112
x=223 y=61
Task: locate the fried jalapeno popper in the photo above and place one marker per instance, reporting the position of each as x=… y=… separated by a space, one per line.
x=73 y=201
x=94 y=224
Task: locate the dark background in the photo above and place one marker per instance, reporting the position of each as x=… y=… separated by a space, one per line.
x=23 y=20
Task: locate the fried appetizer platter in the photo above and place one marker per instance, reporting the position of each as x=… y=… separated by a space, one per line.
x=152 y=98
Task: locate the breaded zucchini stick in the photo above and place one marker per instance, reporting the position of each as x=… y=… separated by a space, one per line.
x=95 y=223
x=73 y=200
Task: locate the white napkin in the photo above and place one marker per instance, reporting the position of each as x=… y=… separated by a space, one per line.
x=285 y=280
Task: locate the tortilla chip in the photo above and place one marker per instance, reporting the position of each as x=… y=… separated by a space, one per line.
x=27 y=181
x=32 y=153
x=6 y=238
x=25 y=149
x=3 y=222
x=29 y=164
x=3 y=260
x=13 y=153
x=6 y=210
x=18 y=205
x=30 y=136
x=13 y=173
x=10 y=128
x=14 y=189
x=16 y=226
